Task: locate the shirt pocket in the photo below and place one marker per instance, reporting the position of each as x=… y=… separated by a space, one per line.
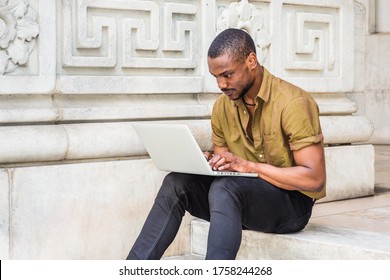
x=273 y=150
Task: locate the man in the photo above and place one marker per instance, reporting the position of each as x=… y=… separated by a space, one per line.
x=260 y=124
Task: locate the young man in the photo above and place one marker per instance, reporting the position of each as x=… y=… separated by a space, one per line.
x=260 y=124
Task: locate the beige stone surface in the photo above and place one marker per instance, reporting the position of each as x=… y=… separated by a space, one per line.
x=350 y=172
x=80 y=211
x=4 y=216
x=377 y=86
x=382 y=22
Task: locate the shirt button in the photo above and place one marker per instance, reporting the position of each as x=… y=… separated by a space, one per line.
x=244 y=112
x=261 y=156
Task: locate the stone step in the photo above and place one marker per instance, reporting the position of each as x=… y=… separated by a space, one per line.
x=313 y=243
x=184 y=257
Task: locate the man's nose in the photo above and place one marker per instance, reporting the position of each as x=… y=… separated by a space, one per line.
x=221 y=81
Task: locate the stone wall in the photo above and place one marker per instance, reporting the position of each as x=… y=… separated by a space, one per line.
x=75 y=181
x=373 y=91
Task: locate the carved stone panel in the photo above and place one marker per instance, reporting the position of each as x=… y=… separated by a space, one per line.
x=144 y=46
x=309 y=43
x=130 y=34
x=251 y=18
x=131 y=46
x=313 y=44
x=27 y=46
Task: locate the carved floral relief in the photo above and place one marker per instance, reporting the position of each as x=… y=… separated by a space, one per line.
x=18 y=32
x=244 y=15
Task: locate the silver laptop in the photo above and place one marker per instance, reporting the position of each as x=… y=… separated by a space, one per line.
x=172 y=147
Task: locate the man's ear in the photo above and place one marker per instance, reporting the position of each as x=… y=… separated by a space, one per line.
x=251 y=60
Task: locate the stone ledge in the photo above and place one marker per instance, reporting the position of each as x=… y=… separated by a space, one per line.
x=346 y=129
x=39 y=143
x=40 y=108
x=350 y=172
x=315 y=242
x=15 y=109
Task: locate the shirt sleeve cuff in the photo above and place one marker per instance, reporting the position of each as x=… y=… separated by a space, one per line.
x=218 y=141
x=300 y=144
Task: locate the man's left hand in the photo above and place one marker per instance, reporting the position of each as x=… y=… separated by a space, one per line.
x=226 y=161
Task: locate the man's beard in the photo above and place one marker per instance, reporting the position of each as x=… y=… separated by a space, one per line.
x=245 y=90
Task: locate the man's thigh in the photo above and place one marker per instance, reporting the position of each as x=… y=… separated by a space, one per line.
x=267 y=208
x=192 y=190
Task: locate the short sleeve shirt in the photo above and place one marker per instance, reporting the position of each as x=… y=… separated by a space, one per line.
x=286 y=118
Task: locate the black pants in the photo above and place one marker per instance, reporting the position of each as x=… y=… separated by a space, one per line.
x=229 y=203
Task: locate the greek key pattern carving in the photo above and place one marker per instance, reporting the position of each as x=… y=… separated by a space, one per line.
x=311 y=41
x=130 y=34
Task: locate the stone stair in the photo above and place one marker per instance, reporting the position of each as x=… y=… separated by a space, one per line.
x=313 y=243
x=322 y=239
x=350 y=229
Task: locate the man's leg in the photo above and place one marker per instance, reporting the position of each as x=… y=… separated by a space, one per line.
x=252 y=203
x=178 y=193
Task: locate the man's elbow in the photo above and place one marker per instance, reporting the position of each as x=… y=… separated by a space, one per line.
x=319 y=184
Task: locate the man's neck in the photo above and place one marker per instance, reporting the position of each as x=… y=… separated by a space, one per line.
x=251 y=95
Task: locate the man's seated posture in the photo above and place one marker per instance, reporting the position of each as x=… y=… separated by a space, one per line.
x=260 y=124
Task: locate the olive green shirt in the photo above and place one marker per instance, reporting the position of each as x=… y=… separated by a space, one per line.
x=286 y=118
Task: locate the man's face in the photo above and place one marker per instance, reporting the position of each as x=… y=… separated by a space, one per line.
x=233 y=77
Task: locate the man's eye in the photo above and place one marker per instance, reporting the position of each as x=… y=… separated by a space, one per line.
x=228 y=75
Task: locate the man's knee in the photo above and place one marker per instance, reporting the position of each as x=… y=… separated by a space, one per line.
x=179 y=183
x=224 y=188
x=172 y=184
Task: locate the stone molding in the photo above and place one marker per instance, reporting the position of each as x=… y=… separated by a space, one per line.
x=95 y=108
x=43 y=143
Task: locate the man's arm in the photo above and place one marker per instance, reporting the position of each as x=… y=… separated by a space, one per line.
x=309 y=174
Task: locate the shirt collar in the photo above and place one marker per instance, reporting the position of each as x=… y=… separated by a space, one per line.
x=265 y=87
x=264 y=90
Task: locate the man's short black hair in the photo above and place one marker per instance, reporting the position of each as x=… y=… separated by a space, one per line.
x=236 y=42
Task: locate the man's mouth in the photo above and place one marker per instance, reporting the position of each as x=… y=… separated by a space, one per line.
x=228 y=92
